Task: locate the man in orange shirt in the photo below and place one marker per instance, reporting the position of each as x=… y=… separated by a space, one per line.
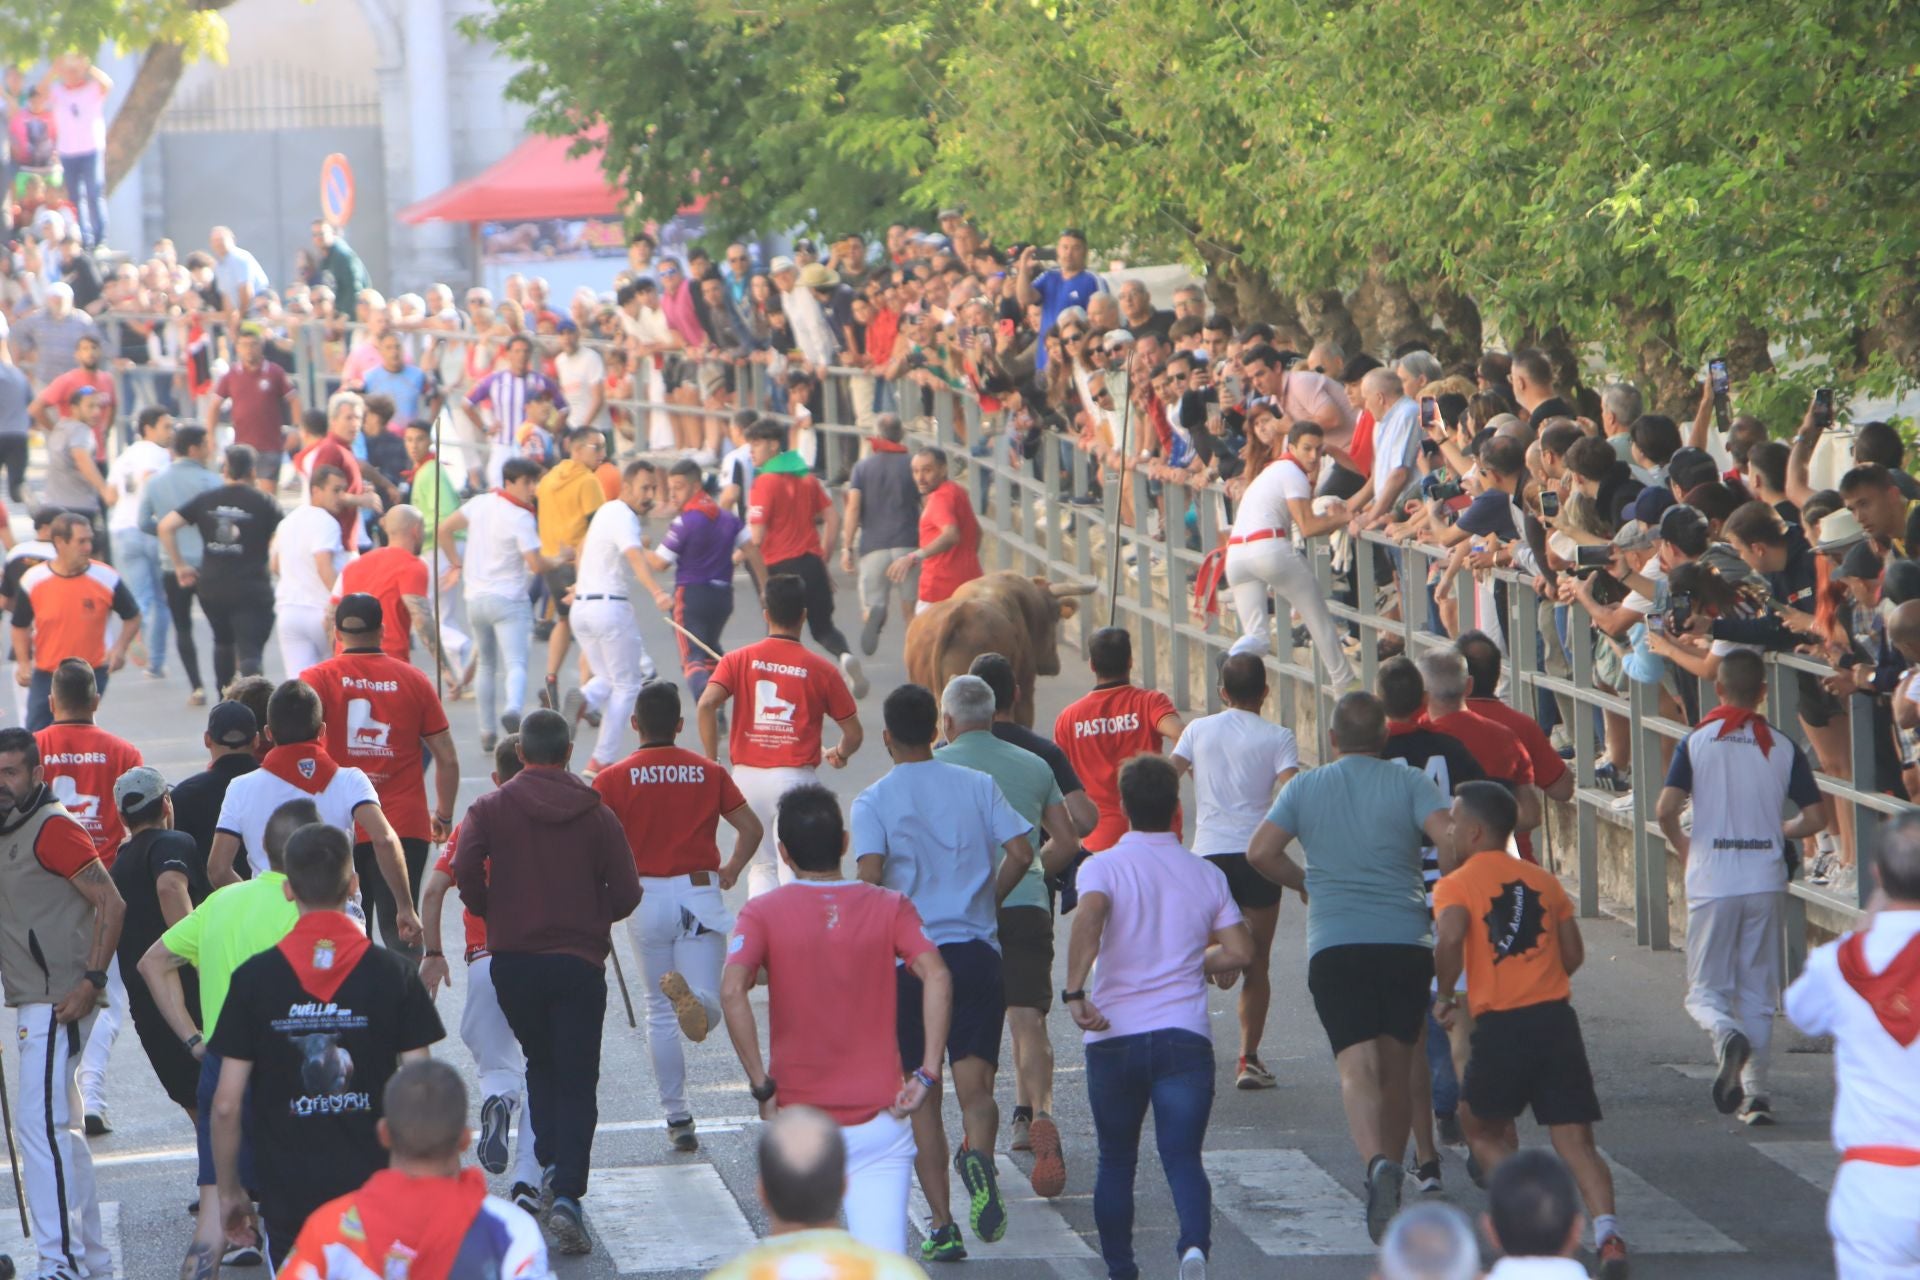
x=396 y=576
x=793 y=522
x=949 y=554
x=670 y=802
x=1509 y=925
x=60 y=611
x=1108 y=727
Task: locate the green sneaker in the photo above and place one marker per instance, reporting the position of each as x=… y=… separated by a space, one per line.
x=986 y=1213
x=943 y=1245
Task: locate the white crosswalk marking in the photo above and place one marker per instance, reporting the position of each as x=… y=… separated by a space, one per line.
x=666 y=1218
x=1286 y=1204
x=1654 y=1222
x=1035 y=1228
x=26 y=1255
x=1812 y=1162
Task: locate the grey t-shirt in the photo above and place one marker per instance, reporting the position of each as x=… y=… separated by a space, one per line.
x=15 y=395
x=66 y=487
x=1359 y=820
x=889 y=502
x=49 y=343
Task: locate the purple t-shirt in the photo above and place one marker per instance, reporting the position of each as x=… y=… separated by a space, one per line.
x=700 y=544
x=1166 y=903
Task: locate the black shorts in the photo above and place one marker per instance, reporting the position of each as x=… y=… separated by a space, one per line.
x=1251 y=891
x=1026 y=957
x=1530 y=1057
x=979 y=1007
x=1366 y=990
x=558 y=581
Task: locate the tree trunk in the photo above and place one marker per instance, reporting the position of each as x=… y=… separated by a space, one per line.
x=139 y=115
x=1897 y=332
x=1325 y=317
x=1386 y=313
x=1667 y=382
x=1244 y=294
x=1461 y=337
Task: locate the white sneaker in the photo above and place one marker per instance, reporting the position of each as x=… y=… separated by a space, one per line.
x=856 y=678
x=1193 y=1265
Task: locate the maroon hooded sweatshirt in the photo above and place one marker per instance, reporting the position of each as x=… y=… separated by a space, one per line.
x=546 y=864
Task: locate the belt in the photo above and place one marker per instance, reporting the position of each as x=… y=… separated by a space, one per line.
x=1260 y=535
x=1898 y=1157
x=700 y=879
x=579 y=599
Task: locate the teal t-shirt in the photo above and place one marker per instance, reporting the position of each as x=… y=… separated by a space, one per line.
x=1359 y=820
x=1028 y=784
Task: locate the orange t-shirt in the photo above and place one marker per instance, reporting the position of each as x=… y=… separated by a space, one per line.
x=389 y=575
x=609 y=477
x=1514 y=910
x=787 y=505
x=378 y=710
x=1103 y=731
x=669 y=800
x=68 y=614
x=942 y=575
x=82 y=762
x=786 y=694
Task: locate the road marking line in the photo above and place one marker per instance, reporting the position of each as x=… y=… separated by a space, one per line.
x=1035 y=1228
x=1815 y=1163
x=1654 y=1222
x=666 y=1218
x=1286 y=1204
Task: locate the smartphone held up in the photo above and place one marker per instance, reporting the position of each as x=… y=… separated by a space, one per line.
x=1722 y=386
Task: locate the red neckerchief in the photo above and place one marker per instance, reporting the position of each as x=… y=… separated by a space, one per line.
x=502 y=493
x=888 y=446
x=323 y=947
x=701 y=504
x=305 y=765
x=422 y=1220
x=1894 y=993
x=1287 y=456
x=412 y=471
x=1734 y=719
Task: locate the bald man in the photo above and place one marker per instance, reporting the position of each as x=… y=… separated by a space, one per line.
x=396 y=576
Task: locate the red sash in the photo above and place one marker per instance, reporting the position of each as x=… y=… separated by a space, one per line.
x=421 y=1220
x=1734 y=719
x=323 y=947
x=1894 y=993
x=502 y=493
x=887 y=446
x=305 y=765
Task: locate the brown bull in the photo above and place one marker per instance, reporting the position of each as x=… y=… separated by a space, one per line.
x=1002 y=613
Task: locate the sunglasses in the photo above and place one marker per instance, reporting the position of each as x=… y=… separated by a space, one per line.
x=1072 y=337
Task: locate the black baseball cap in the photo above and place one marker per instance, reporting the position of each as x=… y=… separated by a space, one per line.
x=44 y=516
x=231 y=724
x=357 y=614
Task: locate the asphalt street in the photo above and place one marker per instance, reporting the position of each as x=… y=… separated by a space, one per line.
x=1700 y=1196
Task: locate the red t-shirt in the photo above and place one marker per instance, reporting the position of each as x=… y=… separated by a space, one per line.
x=787 y=505
x=476 y=925
x=59 y=394
x=1499 y=751
x=829 y=948
x=1360 y=448
x=669 y=800
x=1099 y=733
x=786 y=694
x=82 y=762
x=259 y=399
x=388 y=574
x=942 y=575
x=1548 y=767
x=377 y=712
x=328 y=452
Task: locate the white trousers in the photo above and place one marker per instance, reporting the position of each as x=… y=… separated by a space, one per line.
x=54 y=1161
x=302 y=630
x=680 y=927
x=106 y=1029
x=497 y=1059
x=609 y=636
x=1733 y=973
x=763 y=789
x=879 y=1172
x=1874 y=1219
x=1254 y=568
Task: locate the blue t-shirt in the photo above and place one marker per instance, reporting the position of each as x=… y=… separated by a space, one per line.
x=1057 y=293
x=407 y=388
x=1360 y=821
x=940 y=827
x=1490 y=512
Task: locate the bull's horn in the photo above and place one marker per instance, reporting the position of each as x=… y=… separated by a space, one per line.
x=1060 y=590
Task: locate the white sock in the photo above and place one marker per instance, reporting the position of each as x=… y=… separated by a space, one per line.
x=1605 y=1226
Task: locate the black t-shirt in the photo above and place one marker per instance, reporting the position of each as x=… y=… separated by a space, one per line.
x=1446 y=760
x=1490 y=512
x=1551 y=407
x=319 y=1069
x=237 y=522
x=197 y=800
x=1046 y=748
x=142 y=860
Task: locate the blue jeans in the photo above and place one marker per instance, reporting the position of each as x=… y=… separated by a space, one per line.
x=1446 y=1085
x=702 y=608
x=500 y=626
x=86 y=182
x=40 y=694
x=1171 y=1071
x=137 y=555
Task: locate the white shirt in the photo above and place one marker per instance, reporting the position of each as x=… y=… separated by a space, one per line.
x=1236 y=756
x=1738 y=795
x=500 y=533
x=613 y=531
x=1875 y=1103
x=1264 y=504
x=252 y=797
x=137 y=463
x=305 y=533
x=1537 y=1269
x=811 y=331
x=649 y=328
x=581 y=374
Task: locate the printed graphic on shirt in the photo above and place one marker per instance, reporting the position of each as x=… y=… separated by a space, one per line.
x=314 y=1028
x=84 y=808
x=770 y=710
x=1516 y=919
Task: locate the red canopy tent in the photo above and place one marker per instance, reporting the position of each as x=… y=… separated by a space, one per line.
x=537 y=179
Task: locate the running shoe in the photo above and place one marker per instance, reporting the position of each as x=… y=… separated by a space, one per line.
x=856 y=678
x=526 y=1197
x=1049 y=1176
x=986 y=1214
x=1254 y=1075
x=1613 y=1259
x=96 y=1122
x=681 y=1132
x=1019 y=1133
x=1734 y=1052
x=1193 y=1264
x=153 y=673
x=488 y=741
x=197 y=698
x=243 y=1255
x=510 y=721
x=568 y=1228
x=1383 y=1195
x=576 y=708
x=1446 y=1125
x=1609 y=778
x=1427 y=1176
x=1756 y=1111
x=496 y=1123
x=695 y=1021
x=943 y=1245
x=870 y=631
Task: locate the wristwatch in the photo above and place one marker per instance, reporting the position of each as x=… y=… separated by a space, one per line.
x=1447 y=998
x=191 y=1041
x=764 y=1091
x=435 y=955
x=98 y=977
x=1068 y=997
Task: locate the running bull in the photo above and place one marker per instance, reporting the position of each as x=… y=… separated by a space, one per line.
x=1002 y=613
